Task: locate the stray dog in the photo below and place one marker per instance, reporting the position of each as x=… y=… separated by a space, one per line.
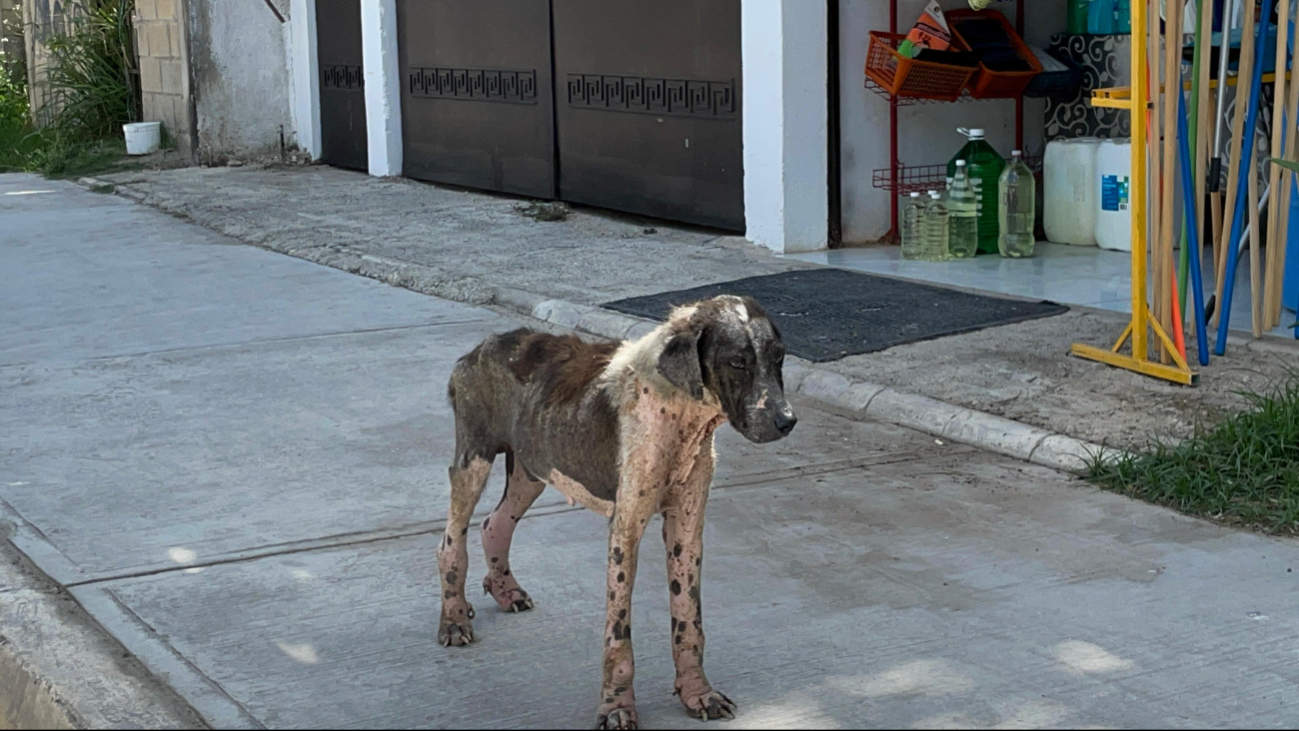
x=626 y=430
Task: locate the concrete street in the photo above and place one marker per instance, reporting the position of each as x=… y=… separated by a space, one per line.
x=234 y=461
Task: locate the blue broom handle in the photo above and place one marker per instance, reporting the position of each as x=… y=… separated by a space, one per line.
x=1193 y=233
x=1246 y=155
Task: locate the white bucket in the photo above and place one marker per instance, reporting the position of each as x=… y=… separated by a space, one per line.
x=143 y=138
x=1069 y=191
x=1113 y=203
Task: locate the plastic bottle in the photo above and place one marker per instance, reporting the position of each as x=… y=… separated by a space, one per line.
x=913 y=212
x=1123 y=17
x=1101 y=17
x=1017 y=192
x=1076 y=14
x=984 y=168
x=963 y=227
x=933 y=228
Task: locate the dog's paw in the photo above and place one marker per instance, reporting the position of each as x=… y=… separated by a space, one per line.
x=508 y=598
x=708 y=705
x=617 y=718
x=456 y=635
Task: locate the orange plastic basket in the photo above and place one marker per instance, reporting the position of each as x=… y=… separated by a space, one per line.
x=987 y=84
x=903 y=76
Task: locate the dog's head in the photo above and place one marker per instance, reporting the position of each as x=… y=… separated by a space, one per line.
x=729 y=347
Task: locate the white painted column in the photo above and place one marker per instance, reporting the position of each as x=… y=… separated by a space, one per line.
x=382 y=85
x=786 y=191
x=304 y=73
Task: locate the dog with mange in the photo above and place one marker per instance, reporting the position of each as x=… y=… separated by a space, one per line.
x=626 y=430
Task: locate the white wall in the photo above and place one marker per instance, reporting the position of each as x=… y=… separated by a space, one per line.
x=785 y=124
x=382 y=86
x=304 y=75
x=927 y=133
x=241 y=78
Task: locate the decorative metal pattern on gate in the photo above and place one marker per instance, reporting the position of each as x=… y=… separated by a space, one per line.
x=482 y=85
x=341 y=76
x=675 y=97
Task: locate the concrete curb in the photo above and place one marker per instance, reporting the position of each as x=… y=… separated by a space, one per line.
x=853 y=399
x=59 y=670
x=828 y=391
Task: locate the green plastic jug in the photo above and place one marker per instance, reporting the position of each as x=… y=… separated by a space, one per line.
x=1076 y=16
x=984 y=167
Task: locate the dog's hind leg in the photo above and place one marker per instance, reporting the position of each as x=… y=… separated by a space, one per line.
x=467 y=483
x=498 y=531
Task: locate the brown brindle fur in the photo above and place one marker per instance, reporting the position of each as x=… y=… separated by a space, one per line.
x=626 y=430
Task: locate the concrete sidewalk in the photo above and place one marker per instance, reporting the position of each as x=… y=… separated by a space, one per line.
x=234 y=461
x=478 y=248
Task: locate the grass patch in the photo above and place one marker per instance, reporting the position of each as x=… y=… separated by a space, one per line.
x=92 y=73
x=104 y=188
x=79 y=159
x=1244 y=471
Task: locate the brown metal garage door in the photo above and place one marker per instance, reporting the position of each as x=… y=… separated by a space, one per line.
x=633 y=106
x=648 y=107
x=477 y=107
x=342 y=91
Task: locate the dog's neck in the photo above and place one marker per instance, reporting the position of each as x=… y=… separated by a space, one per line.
x=638 y=360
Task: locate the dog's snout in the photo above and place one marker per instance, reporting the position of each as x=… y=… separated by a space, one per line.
x=785 y=420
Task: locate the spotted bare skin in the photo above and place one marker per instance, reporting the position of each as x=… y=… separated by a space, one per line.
x=625 y=430
x=498 y=532
x=456 y=628
x=683 y=537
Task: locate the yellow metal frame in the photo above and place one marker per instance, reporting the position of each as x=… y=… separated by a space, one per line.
x=1136 y=100
x=1120 y=97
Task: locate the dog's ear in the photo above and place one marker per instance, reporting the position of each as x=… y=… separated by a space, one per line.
x=679 y=363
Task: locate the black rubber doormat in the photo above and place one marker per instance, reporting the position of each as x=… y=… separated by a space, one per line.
x=828 y=314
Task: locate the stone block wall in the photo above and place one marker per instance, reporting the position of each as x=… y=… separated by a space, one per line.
x=161 y=42
x=41 y=20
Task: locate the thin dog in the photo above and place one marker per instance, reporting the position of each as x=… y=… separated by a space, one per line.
x=626 y=430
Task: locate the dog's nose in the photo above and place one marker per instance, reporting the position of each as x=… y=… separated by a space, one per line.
x=785 y=421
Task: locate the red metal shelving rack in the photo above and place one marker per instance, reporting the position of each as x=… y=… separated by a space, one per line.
x=900 y=179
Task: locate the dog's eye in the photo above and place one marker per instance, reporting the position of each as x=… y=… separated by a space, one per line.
x=737 y=364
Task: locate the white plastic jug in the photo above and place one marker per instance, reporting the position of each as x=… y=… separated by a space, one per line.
x=1113 y=204
x=1069 y=191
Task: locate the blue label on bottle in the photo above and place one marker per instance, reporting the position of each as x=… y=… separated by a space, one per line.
x=1114 y=192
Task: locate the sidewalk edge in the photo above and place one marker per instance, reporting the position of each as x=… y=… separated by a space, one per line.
x=826 y=390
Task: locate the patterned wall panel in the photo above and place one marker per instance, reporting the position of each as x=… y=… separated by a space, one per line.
x=674 y=97
x=483 y=85
x=340 y=76
x=1105 y=61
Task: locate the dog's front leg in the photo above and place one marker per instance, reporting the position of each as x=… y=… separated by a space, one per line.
x=636 y=504
x=683 y=536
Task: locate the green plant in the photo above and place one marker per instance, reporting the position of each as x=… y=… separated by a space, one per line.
x=92 y=78
x=18 y=141
x=93 y=72
x=1245 y=470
